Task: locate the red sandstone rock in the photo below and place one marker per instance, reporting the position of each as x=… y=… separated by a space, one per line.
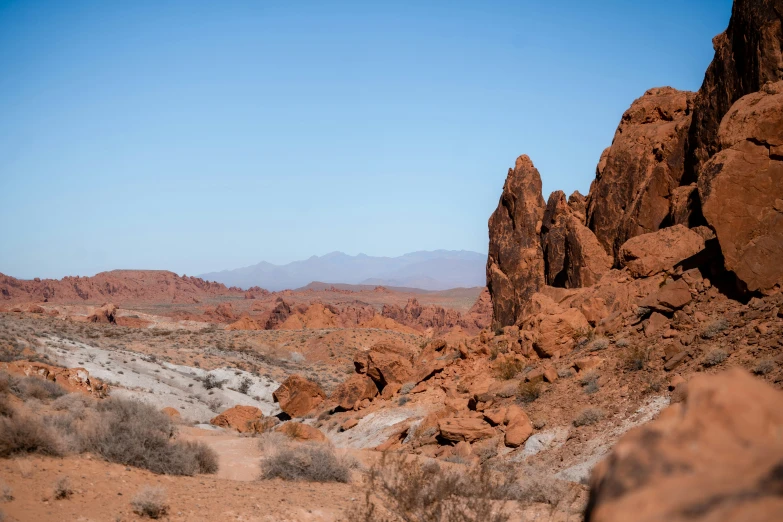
x=356 y=388
x=298 y=396
x=105 y=314
x=301 y=432
x=244 y=419
x=70 y=379
x=648 y=254
x=456 y=429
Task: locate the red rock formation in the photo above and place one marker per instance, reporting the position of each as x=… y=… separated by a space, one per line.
x=298 y=396
x=639 y=172
x=244 y=419
x=741 y=188
x=515 y=265
x=716 y=456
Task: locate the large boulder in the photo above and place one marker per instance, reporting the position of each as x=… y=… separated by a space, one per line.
x=573 y=257
x=649 y=254
x=70 y=379
x=301 y=432
x=638 y=173
x=741 y=188
x=354 y=389
x=747 y=55
x=468 y=429
x=298 y=396
x=385 y=364
x=669 y=298
x=553 y=327
x=515 y=264
x=718 y=455
x=244 y=419
x=106 y=314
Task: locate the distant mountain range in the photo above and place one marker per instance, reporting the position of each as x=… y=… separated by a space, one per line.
x=428 y=270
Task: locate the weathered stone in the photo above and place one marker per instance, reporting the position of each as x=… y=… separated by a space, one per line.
x=298 y=396
x=649 y=254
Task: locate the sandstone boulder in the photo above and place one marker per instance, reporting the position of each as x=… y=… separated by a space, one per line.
x=717 y=455
x=244 y=419
x=385 y=363
x=356 y=388
x=644 y=165
x=741 y=188
x=648 y=254
x=298 y=396
x=515 y=264
x=70 y=379
x=468 y=429
x=301 y=432
x=518 y=427
x=105 y=314
x=671 y=297
x=555 y=328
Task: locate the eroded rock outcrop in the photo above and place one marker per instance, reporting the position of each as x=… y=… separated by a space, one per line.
x=515 y=266
x=298 y=396
x=639 y=172
x=741 y=188
x=718 y=455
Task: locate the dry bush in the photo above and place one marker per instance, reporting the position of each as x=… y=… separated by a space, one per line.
x=136 y=434
x=6 y=493
x=714 y=328
x=405 y=490
x=714 y=358
x=150 y=502
x=27 y=434
x=529 y=391
x=306 y=462
x=508 y=367
x=6 y=410
x=635 y=358
x=35 y=388
x=62 y=488
x=762 y=368
x=598 y=344
x=588 y=416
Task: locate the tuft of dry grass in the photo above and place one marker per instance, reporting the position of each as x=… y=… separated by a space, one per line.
x=27 y=434
x=150 y=502
x=62 y=488
x=508 y=367
x=714 y=358
x=588 y=416
x=529 y=391
x=635 y=358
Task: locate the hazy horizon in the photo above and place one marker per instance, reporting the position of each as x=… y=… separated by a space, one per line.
x=194 y=138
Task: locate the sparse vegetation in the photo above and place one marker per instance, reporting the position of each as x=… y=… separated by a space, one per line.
x=529 y=391
x=407 y=387
x=27 y=434
x=714 y=358
x=210 y=382
x=305 y=462
x=403 y=490
x=244 y=385
x=590 y=382
x=714 y=328
x=635 y=358
x=598 y=344
x=508 y=368
x=588 y=416
x=764 y=367
x=62 y=488
x=150 y=502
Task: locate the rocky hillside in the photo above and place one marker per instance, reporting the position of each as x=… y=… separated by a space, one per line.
x=706 y=164
x=117 y=286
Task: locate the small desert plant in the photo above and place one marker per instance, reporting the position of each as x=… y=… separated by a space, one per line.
x=6 y=493
x=305 y=462
x=62 y=488
x=764 y=367
x=588 y=416
x=402 y=401
x=598 y=344
x=714 y=328
x=407 y=387
x=6 y=410
x=565 y=372
x=539 y=487
x=244 y=385
x=210 y=381
x=714 y=358
x=583 y=335
x=622 y=343
x=529 y=391
x=33 y=387
x=150 y=502
x=508 y=368
x=635 y=358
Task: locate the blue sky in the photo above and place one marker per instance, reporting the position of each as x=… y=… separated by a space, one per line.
x=196 y=136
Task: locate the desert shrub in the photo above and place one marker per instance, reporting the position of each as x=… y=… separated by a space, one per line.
x=598 y=344
x=402 y=490
x=714 y=358
x=588 y=416
x=402 y=401
x=62 y=488
x=539 y=487
x=244 y=385
x=635 y=358
x=508 y=368
x=6 y=493
x=33 y=387
x=622 y=343
x=714 y=328
x=136 y=434
x=583 y=335
x=305 y=462
x=564 y=373
x=5 y=382
x=6 y=410
x=27 y=434
x=529 y=391
x=589 y=378
x=210 y=381
x=407 y=387
x=762 y=368
x=150 y=502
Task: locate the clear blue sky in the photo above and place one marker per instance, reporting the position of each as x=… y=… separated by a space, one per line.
x=200 y=136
